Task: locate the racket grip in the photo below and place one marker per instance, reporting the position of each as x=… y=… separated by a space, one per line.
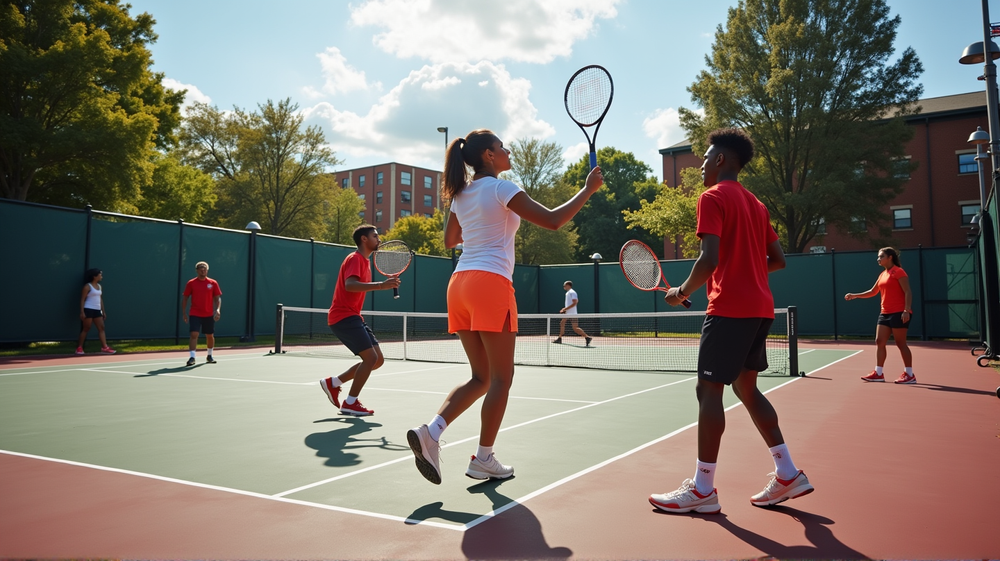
x=687 y=303
x=395 y=294
x=593 y=160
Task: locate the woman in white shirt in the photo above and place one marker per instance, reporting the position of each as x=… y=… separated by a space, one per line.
x=92 y=311
x=485 y=215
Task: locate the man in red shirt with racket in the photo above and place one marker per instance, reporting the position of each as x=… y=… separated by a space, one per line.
x=344 y=319
x=738 y=250
x=206 y=309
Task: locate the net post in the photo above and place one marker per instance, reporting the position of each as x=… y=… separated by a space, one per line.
x=548 y=340
x=793 y=340
x=405 y=357
x=279 y=328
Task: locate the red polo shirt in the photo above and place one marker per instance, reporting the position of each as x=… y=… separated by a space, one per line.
x=346 y=304
x=202 y=292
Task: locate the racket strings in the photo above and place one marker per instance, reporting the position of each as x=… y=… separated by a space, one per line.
x=392 y=259
x=640 y=267
x=588 y=96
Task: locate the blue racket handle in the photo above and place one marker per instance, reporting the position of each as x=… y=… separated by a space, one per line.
x=593 y=160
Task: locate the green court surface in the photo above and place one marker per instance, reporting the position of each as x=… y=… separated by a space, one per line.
x=260 y=424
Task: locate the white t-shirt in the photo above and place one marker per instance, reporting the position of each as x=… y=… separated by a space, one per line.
x=570 y=296
x=488 y=226
x=93 y=300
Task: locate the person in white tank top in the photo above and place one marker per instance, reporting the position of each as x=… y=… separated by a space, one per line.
x=485 y=214
x=92 y=311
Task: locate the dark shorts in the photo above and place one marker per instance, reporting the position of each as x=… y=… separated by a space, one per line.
x=355 y=334
x=731 y=345
x=205 y=325
x=92 y=313
x=894 y=321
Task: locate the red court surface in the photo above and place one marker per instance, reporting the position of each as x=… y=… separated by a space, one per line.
x=901 y=472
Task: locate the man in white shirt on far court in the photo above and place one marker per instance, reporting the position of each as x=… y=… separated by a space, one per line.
x=570 y=309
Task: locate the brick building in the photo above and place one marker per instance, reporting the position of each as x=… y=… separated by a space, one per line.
x=941 y=196
x=392 y=190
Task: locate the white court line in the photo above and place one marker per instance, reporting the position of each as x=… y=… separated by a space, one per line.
x=450 y=444
x=522 y=500
x=509 y=397
x=131 y=363
x=230 y=490
x=806 y=352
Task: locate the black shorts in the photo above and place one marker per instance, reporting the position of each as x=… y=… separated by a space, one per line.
x=91 y=313
x=204 y=325
x=894 y=321
x=355 y=334
x=731 y=345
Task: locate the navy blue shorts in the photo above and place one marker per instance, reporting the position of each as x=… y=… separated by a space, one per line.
x=355 y=334
x=205 y=325
x=731 y=345
x=91 y=313
x=894 y=321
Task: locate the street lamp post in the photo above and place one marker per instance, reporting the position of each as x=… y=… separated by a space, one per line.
x=980 y=138
x=445 y=131
x=975 y=54
x=596 y=258
x=254 y=227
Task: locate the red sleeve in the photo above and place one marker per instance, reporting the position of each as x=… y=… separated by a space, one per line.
x=772 y=236
x=352 y=267
x=898 y=273
x=187 y=289
x=709 y=215
x=216 y=290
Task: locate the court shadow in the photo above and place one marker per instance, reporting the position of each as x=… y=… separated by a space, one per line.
x=336 y=445
x=515 y=533
x=173 y=370
x=436 y=510
x=824 y=544
x=940 y=388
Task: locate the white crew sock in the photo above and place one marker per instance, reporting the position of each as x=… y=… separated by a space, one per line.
x=784 y=468
x=483 y=453
x=909 y=371
x=209 y=352
x=878 y=370
x=350 y=400
x=704 y=477
x=436 y=427
x=335 y=382
x=191 y=353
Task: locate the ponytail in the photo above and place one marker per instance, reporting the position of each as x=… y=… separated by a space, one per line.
x=461 y=154
x=891 y=252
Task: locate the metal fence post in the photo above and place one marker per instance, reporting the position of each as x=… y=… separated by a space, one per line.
x=833 y=267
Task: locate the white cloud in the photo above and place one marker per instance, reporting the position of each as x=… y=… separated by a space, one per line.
x=402 y=125
x=534 y=31
x=664 y=126
x=193 y=93
x=573 y=153
x=339 y=76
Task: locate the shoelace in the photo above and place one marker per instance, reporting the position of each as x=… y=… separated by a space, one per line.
x=685 y=489
x=773 y=485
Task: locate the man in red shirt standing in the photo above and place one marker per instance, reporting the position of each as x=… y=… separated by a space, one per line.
x=344 y=319
x=738 y=250
x=206 y=309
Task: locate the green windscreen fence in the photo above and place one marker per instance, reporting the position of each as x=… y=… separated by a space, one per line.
x=283 y=268
x=227 y=253
x=526 y=288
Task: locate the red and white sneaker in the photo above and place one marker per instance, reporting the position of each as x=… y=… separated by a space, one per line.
x=107 y=351
x=331 y=392
x=686 y=499
x=873 y=377
x=778 y=490
x=355 y=409
x=905 y=378
x=79 y=350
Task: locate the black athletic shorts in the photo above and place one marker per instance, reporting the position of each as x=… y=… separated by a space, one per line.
x=92 y=313
x=730 y=345
x=355 y=334
x=205 y=325
x=894 y=321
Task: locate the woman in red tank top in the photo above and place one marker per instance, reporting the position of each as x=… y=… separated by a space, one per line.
x=894 y=319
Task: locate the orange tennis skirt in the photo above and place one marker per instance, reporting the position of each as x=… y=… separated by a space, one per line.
x=480 y=301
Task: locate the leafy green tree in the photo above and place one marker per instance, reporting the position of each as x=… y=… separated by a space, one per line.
x=343 y=210
x=537 y=167
x=268 y=167
x=80 y=110
x=177 y=191
x=424 y=235
x=812 y=82
x=673 y=213
x=601 y=223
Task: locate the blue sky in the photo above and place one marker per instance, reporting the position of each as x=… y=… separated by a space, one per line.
x=379 y=76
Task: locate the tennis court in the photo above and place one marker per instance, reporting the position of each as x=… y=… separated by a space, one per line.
x=224 y=457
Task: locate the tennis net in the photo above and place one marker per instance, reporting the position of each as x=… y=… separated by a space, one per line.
x=663 y=341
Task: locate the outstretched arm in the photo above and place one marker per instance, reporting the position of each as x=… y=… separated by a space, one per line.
x=553 y=219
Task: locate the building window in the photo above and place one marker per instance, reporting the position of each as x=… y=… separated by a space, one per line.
x=820 y=224
x=404 y=178
x=344 y=182
x=404 y=196
x=901 y=219
x=362 y=214
x=967 y=163
x=378 y=197
x=361 y=181
x=428 y=215
x=901 y=168
x=403 y=213
x=968 y=212
x=378 y=178
x=428 y=182
x=858 y=224
x=361 y=196
x=428 y=200
x=378 y=216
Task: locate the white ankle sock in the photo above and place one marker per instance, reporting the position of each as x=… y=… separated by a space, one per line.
x=484 y=452
x=909 y=370
x=436 y=427
x=350 y=400
x=784 y=468
x=209 y=352
x=191 y=353
x=878 y=370
x=704 y=477
x=335 y=382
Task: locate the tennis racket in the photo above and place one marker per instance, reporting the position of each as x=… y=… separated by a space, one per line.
x=392 y=258
x=642 y=268
x=588 y=98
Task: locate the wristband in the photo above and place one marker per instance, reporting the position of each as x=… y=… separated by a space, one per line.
x=680 y=292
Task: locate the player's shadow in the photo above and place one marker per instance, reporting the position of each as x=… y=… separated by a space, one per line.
x=515 y=533
x=824 y=544
x=336 y=445
x=173 y=370
x=940 y=388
